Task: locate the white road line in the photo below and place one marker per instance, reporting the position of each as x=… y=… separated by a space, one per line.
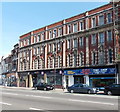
x=91 y=102
x=9 y=93
x=5 y=103
x=35 y=109
x=31 y=108
x=39 y=96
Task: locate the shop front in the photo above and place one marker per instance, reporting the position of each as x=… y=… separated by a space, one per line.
x=53 y=77
x=95 y=77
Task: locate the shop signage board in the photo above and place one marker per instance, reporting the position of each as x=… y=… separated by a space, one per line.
x=90 y=71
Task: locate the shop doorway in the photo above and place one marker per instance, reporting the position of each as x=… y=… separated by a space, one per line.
x=78 y=79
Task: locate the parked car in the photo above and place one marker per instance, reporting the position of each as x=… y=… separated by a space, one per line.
x=113 y=89
x=44 y=86
x=82 y=88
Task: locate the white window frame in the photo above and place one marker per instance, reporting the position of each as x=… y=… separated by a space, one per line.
x=81 y=25
x=60 y=31
x=75 y=28
x=109 y=39
x=93 y=39
x=81 y=41
x=54 y=33
x=101 y=39
x=69 y=28
x=110 y=17
x=50 y=34
x=68 y=44
x=93 y=24
x=101 y=22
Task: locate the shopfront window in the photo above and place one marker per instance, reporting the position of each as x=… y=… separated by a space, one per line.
x=101 y=82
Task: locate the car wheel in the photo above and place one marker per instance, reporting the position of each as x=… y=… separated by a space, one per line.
x=89 y=92
x=109 y=92
x=71 y=91
x=45 y=89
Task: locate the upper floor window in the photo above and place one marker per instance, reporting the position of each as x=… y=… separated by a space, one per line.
x=81 y=59
x=58 y=61
x=69 y=29
x=28 y=42
x=54 y=33
x=93 y=58
x=101 y=38
x=49 y=48
x=109 y=35
x=81 y=41
x=75 y=44
x=81 y=25
x=54 y=47
x=93 y=22
x=59 y=31
x=38 y=50
x=42 y=49
x=68 y=44
x=110 y=55
x=42 y=36
x=58 y=46
x=35 y=51
x=93 y=39
x=109 y=18
x=24 y=42
x=38 y=36
x=50 y=34
x=101 y=20
x=35 y=39
x=75 y=28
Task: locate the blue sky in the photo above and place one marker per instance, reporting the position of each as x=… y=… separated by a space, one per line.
x=19 y=18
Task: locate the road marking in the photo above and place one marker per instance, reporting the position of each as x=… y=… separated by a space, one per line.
x=35 y=109
x=31 y=108
x=5 y=103
x=39 y=96
x=9 y=93
x=91 y=102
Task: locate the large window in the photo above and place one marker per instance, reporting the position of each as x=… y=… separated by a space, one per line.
x=42 y=36
x=75 y=44
x=69 y=29
x=75 y=27
x=38 y=36
x=59 y=31
x=109 y=35
x=58 y=45
x=93 y=58
x=110 y=55
x=54 y=33
x=50 y=34
x=68 y=44
x=101 y=38
x=101 y=20
x=93 y=39
x=93 y=22
x=81 y=25
x=109 y=18
x=81 y=41
x=35 y=39
x=81 y=59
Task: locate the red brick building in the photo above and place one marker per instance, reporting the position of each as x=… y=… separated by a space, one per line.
x=82 y=49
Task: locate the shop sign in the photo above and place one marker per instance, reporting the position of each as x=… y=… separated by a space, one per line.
x=104 y=71
x=90 y=71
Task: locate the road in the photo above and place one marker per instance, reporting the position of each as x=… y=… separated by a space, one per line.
x=47 y=101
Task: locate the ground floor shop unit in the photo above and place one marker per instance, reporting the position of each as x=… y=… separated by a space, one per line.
x=95 y=77
x=31 y=78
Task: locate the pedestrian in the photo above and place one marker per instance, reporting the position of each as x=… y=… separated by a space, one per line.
x=6 y=84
